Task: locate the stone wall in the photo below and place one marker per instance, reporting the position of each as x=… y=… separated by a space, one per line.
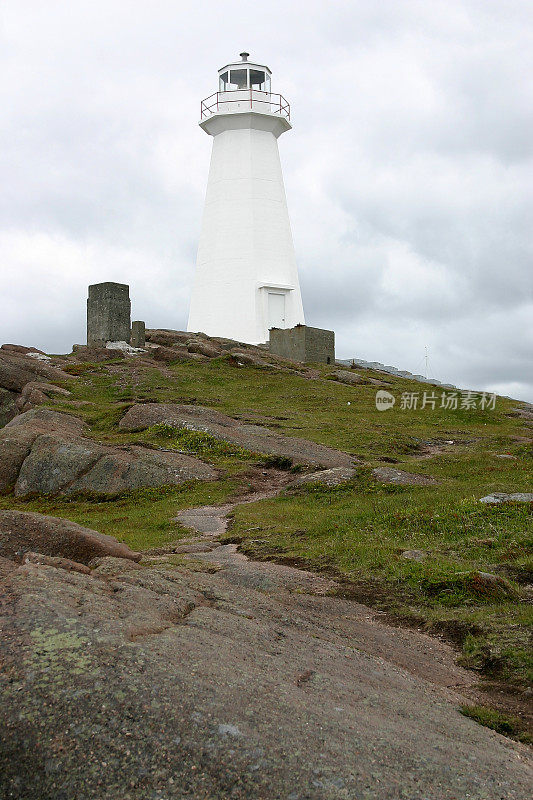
x=108 y=314
x=302 y=343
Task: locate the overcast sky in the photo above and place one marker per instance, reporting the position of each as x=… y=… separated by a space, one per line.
x=408 y=169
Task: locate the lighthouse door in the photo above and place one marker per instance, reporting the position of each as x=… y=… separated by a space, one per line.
x=276 y=309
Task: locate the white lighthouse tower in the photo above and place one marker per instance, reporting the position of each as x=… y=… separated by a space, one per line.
x=246 y=277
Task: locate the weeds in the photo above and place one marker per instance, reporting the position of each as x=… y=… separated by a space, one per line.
x=501 y=723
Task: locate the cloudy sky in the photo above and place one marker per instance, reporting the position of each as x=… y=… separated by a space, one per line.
x=408 y=171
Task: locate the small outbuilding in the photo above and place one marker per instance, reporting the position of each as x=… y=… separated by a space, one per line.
x=303 y=343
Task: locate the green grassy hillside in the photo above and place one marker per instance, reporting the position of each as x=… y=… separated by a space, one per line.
x=358 y=531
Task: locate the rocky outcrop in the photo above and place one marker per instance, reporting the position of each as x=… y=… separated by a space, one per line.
x=175 y=346
x=8 y=406
x=525 y=412
x=252 y=437
x=355 y=379
x=19 y=435
x=414 y=555
x=401 y=478
x=26 y=381
x=327 y=477
x=230 y=344
x=95 y=354
x=351 y=378
x=171 y=354
x=36 y=393
x=23 y=532
x=488 y=585
x=246 y=357
x=204 y=349
x=163 y=682
x=18 y=369
x=167 y=338
x=503 y=497
x=20 y=348
x=56 y=561
x=43 y=452
x=133 y=467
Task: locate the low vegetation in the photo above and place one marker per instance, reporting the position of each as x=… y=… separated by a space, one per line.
x=417 y=552
x=490 y=718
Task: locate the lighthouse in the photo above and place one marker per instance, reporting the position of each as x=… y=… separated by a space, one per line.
x=246 y=279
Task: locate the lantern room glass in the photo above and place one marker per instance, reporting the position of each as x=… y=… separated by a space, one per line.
x=238 y=79
x=244 y=78
x=259 y=80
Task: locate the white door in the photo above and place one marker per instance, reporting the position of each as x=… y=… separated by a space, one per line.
x=276 y=310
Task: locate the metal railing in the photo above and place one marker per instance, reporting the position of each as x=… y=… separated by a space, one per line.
x=252 y=99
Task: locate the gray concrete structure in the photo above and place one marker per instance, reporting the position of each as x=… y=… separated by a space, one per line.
x=303 y=343
x=138 y=334
x=108 y=314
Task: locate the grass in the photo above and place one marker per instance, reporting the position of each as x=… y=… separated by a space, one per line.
x=142 y=519
x=223 y=455
x=359 y=531
x=324 y=411
x=501 y=723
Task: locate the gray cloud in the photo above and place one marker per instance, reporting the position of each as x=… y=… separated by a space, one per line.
x=408 y=171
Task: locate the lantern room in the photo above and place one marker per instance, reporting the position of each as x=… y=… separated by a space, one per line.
x=244 y=75
x=244 y=86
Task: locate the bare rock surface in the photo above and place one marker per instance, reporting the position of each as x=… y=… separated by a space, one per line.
x=161 y=682
x=252 y=437
x=54 y=463
x=8 y=406
x=327 y=477
x=170 y=354
x=22 y=349
x=247 y=357
x=18 y=369
x=56 y=561
x=44 y=452
x=167 y=338
x=133 y=467
x=170 y=346
x=87 y=354
x=401 y=478
x=350 y=377
x=485 y=583
x=208 y=349
x=229 y=344
x=35 y=393
x=414 y=555
x=503 y=497
x=19 y=435
x=22 y=532
x=525 y=412
x=46 y=420
x=354 y=378
x=25 y=380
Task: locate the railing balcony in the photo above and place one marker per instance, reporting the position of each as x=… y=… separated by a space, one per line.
x=240 y=100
